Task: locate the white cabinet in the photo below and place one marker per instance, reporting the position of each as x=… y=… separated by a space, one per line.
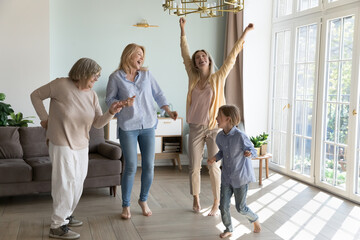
x=168 y=138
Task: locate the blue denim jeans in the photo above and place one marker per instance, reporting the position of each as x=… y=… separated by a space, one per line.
x=128 y=142
x=226 y=193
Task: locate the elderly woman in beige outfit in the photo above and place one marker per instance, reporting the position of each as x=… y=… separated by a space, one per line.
x=74 y=108
x=205 y=96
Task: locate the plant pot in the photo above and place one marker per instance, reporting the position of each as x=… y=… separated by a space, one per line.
x=263 y=149
x=257 y=151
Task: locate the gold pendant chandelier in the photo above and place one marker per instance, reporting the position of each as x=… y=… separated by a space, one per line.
x=207 y=9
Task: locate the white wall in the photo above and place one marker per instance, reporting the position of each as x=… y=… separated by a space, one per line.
x=101 y=29
x=41 y=41
x=257 y=50
x=24 y=51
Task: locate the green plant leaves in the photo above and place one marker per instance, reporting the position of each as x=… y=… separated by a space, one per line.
x=15 y=119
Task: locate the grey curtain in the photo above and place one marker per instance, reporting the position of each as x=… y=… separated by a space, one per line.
x=234 y=82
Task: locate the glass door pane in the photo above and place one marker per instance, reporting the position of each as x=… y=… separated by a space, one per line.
x=307 y=4
x=280 y=101
x=336 y=105
x=284 y=8
x=305 y=72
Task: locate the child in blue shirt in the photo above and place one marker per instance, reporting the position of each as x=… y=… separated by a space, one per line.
x=235 y=150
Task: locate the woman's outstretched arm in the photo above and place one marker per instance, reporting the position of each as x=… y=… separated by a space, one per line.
x=231 y=58
x=184 y=47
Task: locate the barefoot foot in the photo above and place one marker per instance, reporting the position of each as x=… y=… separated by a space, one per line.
x=215 y=209
x=126 y=213
x=196 y=204
x=225 y=234
x=145 y=208
x=257 y=227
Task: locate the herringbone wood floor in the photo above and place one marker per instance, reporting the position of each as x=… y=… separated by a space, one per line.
x=287 y=209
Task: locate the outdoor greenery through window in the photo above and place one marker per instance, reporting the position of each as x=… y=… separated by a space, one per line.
x=338 y=79
x=306 y=39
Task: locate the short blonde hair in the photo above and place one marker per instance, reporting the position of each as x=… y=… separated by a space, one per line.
x=83 y=69
x=231 y=111
x=128 y=51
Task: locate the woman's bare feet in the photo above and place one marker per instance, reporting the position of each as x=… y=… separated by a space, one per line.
x=225 y=234
x=126 y=213
x=196 y=204
x=215 y=208
x=257 y=227
x=145 y=208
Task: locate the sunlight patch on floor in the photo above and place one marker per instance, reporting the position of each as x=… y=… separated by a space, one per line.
x=264 y=214
x=341 y=234
x=301 y=217
x=277 y=204
x=287 y=230
x=351 y=225
x=315 y=225
x=240 y=231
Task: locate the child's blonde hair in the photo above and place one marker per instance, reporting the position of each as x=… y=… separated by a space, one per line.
x=231 y=111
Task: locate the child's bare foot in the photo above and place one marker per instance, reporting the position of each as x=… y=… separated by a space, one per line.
x=225 y=234
x=215 y=209
x=126 y=213
x=257 y=227
x=196 y=204
x=145 y=208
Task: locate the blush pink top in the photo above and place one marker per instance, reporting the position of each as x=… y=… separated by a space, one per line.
x=198 y=112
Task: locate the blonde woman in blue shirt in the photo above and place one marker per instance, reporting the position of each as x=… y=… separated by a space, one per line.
x=235 y=150
x=137 y=124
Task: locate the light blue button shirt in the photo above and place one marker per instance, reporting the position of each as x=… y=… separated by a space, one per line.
x=237 y=169
x=142 y=114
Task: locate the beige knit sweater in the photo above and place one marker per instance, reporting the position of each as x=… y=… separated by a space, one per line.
x=72 y=112
x=217 y=79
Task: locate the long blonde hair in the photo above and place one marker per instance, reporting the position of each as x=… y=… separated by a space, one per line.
x=128 y=51
x=196 y=70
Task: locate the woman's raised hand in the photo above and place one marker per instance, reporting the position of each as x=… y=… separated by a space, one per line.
x=182 y=22
x=249 y=27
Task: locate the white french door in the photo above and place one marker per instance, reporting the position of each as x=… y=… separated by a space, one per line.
x=304 y=103
x=280 y=99
x=314 y=130
x=338 y=158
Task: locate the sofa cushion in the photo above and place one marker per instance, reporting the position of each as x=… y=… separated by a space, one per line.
x=41 y=168
x=14 y=171
x=10 y=146
x=110 y=151
x=96 y=137
x=102 y=166
x=33 y=142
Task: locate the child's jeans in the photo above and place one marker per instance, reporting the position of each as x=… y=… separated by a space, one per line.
x=240 y=203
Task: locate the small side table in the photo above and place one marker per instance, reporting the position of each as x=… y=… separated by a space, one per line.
x=266 y=158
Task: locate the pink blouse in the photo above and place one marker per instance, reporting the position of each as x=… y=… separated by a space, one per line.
x=198 y=113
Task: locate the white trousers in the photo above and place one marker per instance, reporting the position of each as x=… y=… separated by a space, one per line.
x=69 y=170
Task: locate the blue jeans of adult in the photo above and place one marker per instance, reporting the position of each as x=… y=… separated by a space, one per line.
x=128 y=142
x=226 y=193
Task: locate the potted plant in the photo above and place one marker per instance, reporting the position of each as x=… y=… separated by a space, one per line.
x=15 y=119
x=257 y=144
x=264 y=140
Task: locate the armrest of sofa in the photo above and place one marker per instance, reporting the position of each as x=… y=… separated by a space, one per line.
x=110 y=151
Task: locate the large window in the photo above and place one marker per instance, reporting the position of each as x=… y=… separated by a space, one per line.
x=336 y=110
x=315 y=128
x=305 y=73
x=280 y=99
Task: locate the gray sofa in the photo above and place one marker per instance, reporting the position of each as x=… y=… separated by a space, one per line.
x=25 y=167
